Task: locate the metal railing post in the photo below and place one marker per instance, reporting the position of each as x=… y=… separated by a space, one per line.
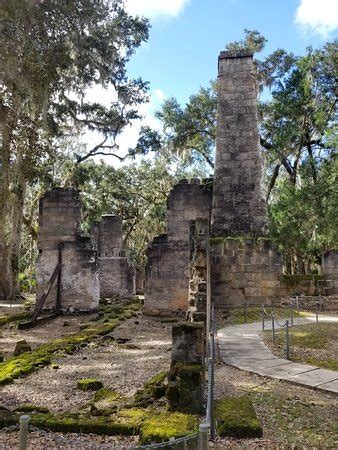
x=297 y=302
x=203 y=436
x=291 y=313
x=287 y=349
x=23 y=432
x=273 y=329
x=263 y=318
x=317 y=311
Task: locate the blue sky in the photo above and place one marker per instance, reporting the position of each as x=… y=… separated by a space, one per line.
x=186 y=37
x=181 y=54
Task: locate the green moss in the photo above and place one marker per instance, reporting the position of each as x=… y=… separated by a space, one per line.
x=82 y=425
x=133 y=416
x=237 y=418
x=185 y=388
x=162 y=427
x=28 y=362
x=156 y=379
x=5 y=320
x=29 y=407
x=106 y=402
x=292 y=280
x=89 y=384
x=153 y=389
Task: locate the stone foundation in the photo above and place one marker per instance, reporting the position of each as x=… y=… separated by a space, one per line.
x=167 y=270
x=59 y=221
x=244 y=271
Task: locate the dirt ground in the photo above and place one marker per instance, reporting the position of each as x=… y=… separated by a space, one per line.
x=291 y=416
x=122 y=367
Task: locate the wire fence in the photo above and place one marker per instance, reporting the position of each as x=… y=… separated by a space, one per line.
x=288 y=323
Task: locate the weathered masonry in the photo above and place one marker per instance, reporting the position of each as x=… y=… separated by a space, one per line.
x=330 y=270
x=59 y=222
x=167 y=271
x=244 y=265
x=116 y=274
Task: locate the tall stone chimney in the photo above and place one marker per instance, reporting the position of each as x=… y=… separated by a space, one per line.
x=239 y=206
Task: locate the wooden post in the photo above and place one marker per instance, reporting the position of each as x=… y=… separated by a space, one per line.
x=58 y=288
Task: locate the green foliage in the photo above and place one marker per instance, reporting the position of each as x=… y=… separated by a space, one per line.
x=237 y=418
x=253 y=42
x=53 y=52
x=138 y=193
x=303 y=215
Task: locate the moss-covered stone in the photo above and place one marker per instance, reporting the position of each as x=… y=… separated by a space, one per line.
x=106 y=402
x=152 y=390
x=237 y=418
x=29 y=407
x=89 y=384
x=186 y=388
x=22 y=347
x=162 y=427
x=82 y=425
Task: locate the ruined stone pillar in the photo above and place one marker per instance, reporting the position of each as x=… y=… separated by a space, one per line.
x=238 y=206
x=59 y=222
x=167 y=271
x=185 y=391
x=245 y=267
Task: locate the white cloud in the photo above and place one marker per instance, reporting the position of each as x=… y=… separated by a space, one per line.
x=160 y=95
x=317 y=16
x=155 y=8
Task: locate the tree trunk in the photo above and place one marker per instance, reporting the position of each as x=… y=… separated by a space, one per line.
x=16 y=228
x=5 y=266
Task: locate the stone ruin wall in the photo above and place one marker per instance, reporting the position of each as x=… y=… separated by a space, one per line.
x=197 y=305
x=330 y=270
x=59 y=221
x=244 y=268
x=167 y=270
x=116 y=274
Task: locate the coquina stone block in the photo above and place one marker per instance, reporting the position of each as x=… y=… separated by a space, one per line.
x=116 y=273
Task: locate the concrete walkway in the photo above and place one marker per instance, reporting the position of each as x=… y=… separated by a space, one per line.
x=241 y=346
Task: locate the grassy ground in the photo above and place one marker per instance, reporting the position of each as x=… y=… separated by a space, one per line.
x=237 y=316
x=314 y=344
x=291 y=416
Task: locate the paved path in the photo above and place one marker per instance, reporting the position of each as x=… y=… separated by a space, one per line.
x=241 y=346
